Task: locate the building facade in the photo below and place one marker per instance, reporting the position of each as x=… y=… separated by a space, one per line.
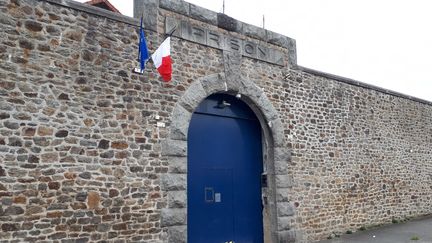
x=92 y=151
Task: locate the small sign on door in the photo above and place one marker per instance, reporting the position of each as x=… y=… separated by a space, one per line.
x=217 y=197
x=209 y=194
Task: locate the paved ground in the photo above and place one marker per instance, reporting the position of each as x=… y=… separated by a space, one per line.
x=395 y=233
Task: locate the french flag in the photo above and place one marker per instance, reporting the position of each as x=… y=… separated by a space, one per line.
x=162 y=60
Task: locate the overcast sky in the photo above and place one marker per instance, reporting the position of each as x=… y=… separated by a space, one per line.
x=387 y=43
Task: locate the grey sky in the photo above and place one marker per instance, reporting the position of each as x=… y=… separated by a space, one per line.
x=386 y=43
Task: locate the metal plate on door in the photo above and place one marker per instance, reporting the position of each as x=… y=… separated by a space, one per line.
x=217 y=197
x=209 y=195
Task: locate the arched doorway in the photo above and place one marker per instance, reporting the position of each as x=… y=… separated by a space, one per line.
x=224 y=172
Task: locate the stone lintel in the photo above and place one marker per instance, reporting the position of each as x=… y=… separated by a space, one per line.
x=225 y=22
x=227 y=42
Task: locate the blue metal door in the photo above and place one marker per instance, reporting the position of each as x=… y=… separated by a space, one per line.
x=224 y=171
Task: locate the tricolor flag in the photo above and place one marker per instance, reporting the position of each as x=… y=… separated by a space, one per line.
x=142 y=48
x=162 y=60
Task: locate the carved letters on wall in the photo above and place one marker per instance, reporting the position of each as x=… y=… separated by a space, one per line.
x=203 y=36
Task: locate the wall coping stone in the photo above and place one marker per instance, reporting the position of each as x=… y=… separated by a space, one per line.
x=360 y=84
x=205 y=15
x=184 y=7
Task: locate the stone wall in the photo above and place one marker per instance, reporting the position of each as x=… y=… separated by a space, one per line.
x=87 y=147
x=80 y=149
x=359 y=157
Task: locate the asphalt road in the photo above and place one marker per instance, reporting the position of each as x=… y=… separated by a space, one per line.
x=394 y=233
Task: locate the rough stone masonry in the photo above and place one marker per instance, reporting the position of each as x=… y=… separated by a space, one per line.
x=92 y=152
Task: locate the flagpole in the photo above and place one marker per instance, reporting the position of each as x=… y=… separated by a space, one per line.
x=148 y=60
x=171 y=32
x=139 y=37
x=143 y=53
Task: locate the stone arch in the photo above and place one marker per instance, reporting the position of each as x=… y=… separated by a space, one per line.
x=174 y=149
